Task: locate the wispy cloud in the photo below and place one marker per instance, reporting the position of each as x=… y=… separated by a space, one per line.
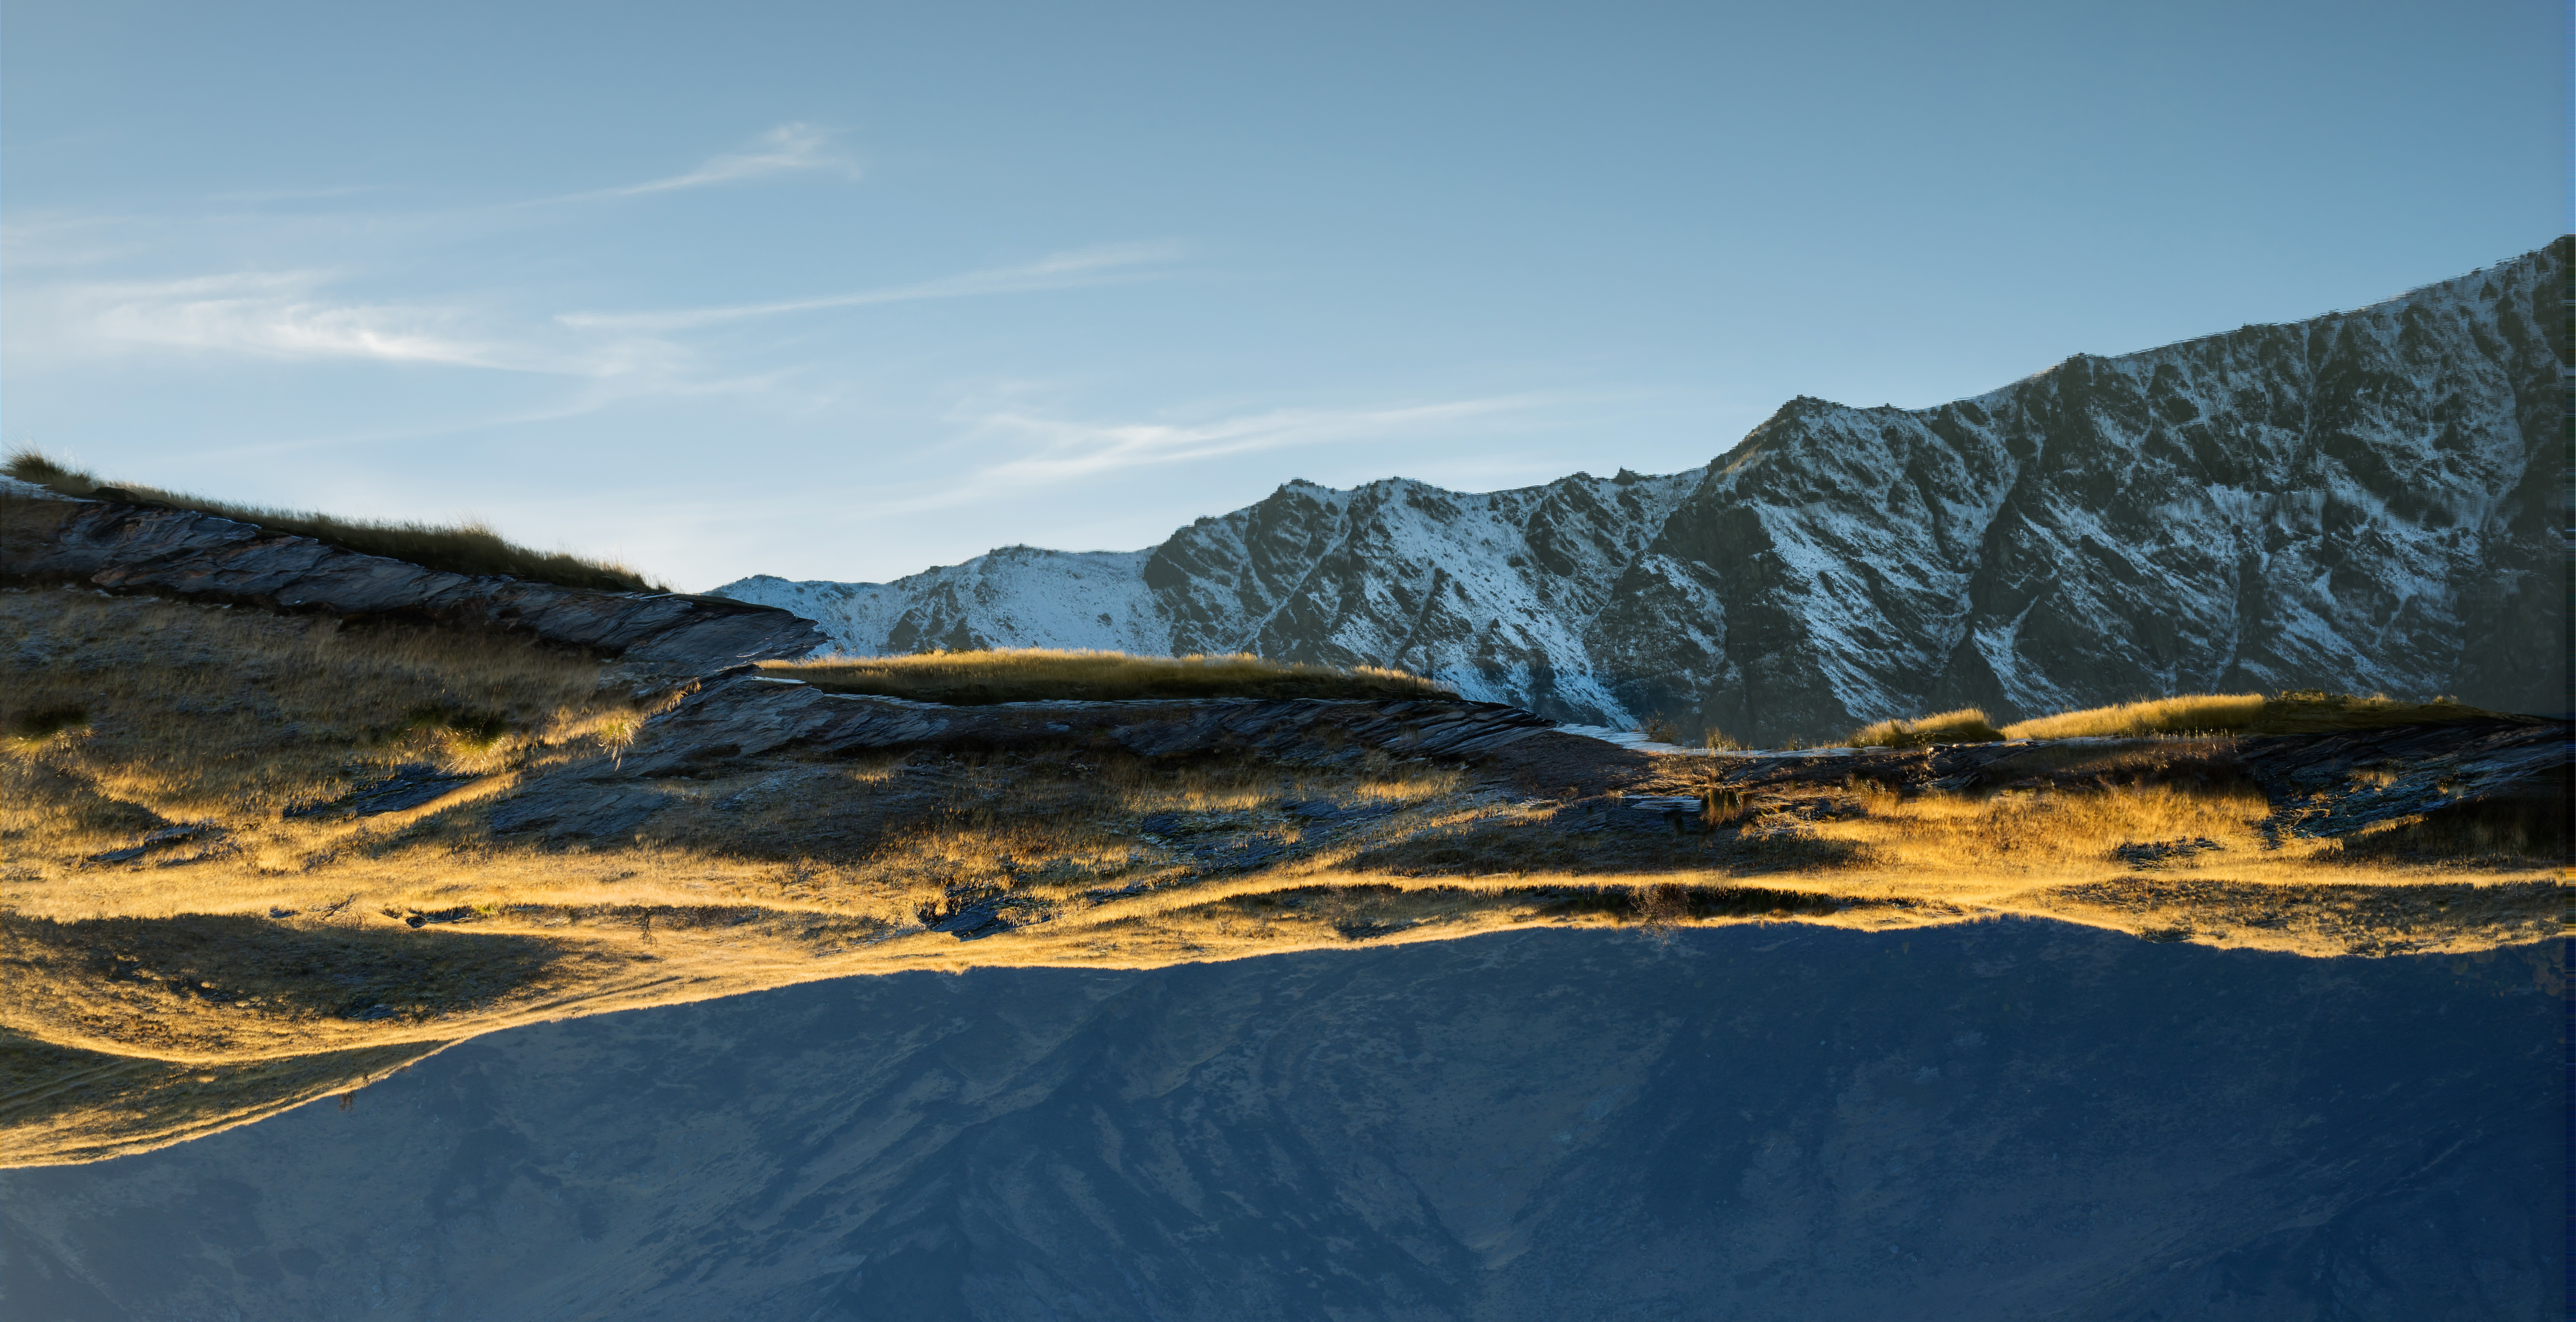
x=786 y=149
x=273 y=314
x=1101 y=264
x=1066 y=450
x=298 y=315
x=301 y=314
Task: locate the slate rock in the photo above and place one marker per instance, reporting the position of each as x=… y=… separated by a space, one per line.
x=411 y=785
x=181 y=553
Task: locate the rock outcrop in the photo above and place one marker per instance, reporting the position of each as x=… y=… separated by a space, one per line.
x=746 y=715
x=2369 y=500
x=180 y=553
x=739 y=722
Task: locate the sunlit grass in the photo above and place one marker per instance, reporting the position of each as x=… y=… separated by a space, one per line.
x=2176 y=715
x=2297 y=711
x=281 y=939
x=1967 y=725
x=467 y=547
x=1037 y=674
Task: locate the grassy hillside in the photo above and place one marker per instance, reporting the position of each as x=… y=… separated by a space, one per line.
x=457 y=548
x=205 y=916
x=1047 y=675
x=2297 y=711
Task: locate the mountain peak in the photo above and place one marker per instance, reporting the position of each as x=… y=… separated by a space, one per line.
x=2358 y=501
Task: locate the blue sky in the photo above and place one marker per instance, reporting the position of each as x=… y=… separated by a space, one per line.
x=844 y=291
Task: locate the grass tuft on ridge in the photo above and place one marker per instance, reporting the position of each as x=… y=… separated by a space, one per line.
x=1967 y=725
x=2293 y=711
x=1038 y=674
x=2186 y=713
x=456 y=548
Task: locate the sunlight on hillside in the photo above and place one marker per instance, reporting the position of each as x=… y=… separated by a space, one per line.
x=246 y=858
x=1038 y=674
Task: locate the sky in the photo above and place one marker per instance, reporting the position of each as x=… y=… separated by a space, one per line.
x=848 y=290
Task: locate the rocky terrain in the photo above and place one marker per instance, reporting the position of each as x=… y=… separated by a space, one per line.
x=2365 y=500
x=2013 y=1119
x=161 y=551
x=742 y=723
x=248 y=856
x=248 y=878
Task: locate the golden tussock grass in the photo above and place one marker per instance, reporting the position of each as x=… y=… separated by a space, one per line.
x=129 y=714
x=2297 y=711
x=467 y=547
x=275 y=957
x=1045 y=674
x=2176 y=715
x=1967 y=725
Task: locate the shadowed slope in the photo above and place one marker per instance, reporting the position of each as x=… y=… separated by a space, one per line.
x=2011 y=1119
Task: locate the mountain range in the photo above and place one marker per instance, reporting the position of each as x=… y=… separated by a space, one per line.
x=2372 y=500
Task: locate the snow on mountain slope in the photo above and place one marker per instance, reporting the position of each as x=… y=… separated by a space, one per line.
x=1018 y=596
x=2366 y=500
x=1488 y=593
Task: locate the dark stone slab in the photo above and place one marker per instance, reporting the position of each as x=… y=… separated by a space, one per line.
x=172 y=552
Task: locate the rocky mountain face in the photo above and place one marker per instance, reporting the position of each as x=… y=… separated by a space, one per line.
x=2368 y=500
x=1493 y=593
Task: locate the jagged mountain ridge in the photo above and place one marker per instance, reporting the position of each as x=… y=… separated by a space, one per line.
x=2364 y=500
x=1491 y=592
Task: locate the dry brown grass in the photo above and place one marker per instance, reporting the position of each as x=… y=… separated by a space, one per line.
x=274 y=959
x=2297 y=711
x=131 y=714
x=2049 y=834
x=468 y=547
x=1036 y=674
x=2187 y=713
x=1967 y=725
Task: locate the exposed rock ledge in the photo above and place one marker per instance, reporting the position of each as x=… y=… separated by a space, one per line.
x=156 y=549
x=735 y=722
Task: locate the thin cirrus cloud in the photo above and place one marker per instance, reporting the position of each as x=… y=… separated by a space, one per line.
x=1100 y=264
x=58 y=238
x=288 y=314
x=305 y=314
x=292 y=315
x=1067 y=450
x=274 y=314
x=787 y=149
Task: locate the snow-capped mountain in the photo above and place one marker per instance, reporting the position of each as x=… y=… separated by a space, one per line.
x=2368 y=500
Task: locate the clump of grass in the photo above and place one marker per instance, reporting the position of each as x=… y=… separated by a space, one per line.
x=1659 y=728
x=2045 y=830
x=464 y=731
x=2314 y=711
x=1044 y=674
x=469 y=547
x=37 y=726
x=1967 y=725
x=2182 y=714
x=2294 y=711
x=2508 y=831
